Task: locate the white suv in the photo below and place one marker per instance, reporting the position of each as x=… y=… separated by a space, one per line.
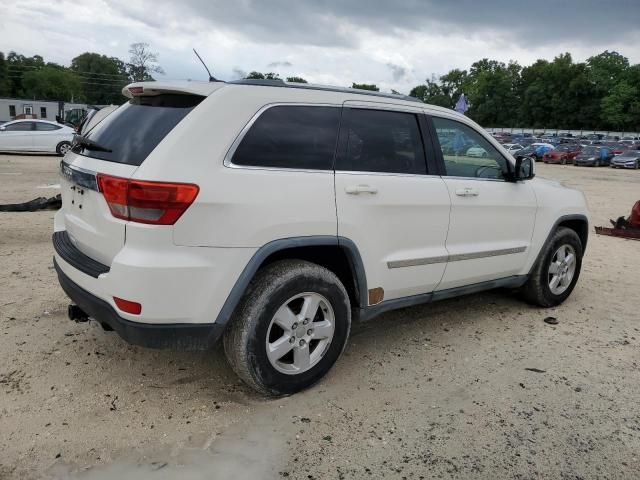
x=275 y=214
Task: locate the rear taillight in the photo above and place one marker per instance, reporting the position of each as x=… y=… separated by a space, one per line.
x=157 y=203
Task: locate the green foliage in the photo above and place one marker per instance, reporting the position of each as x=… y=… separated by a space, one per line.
x=366 y=86
x=621 y=108
x=262 y=76
x=296 y=80
x=52 y=83
x=102 y=77
x=4 y=77
x=601 y=93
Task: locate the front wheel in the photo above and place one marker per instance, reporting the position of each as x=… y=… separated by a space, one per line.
x=556 y=272
x=290 y=327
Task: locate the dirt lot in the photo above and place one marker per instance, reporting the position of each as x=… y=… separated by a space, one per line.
x=437 y=391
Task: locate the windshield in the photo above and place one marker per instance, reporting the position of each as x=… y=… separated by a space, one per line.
x=590 y=150
x=136 y=128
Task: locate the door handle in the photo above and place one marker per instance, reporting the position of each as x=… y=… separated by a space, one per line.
x=358 y=189
x=467 y=192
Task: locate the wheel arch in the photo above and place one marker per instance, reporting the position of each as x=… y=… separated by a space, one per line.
x=338 y=254
x=577 y=222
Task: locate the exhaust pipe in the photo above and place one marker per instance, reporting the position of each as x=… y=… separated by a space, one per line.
x=76 y=314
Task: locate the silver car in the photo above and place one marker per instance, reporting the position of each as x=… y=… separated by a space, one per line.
x=627 y=159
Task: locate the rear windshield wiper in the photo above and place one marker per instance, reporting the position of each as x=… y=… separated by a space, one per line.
x=81 y=140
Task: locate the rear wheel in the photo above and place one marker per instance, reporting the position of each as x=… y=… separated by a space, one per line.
x=290 y=327
x=62 y=148
x=556 y=272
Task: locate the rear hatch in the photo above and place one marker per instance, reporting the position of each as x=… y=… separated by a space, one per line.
x=115 y=147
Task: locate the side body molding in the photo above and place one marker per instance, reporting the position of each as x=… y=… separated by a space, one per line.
x=355 y=264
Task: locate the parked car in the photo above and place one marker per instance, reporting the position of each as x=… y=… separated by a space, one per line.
x=594 y=156
x=35 y=136
x=615 y=147
x=477 y=152
x=512 y=148
x=95 y=116
x=628 y=142
x=313 y=207
x=563 y=154
x=627 y=159
x=535 y=150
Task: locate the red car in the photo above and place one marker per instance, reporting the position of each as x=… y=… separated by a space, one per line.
x=562 y=154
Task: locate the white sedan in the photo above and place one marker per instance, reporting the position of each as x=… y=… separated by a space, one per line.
x=476 y=152
x=35 y=136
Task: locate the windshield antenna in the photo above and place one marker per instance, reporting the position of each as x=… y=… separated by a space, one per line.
x=211 y=77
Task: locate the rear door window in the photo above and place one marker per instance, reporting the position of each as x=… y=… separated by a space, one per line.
x=46 y=127
x=291 y=136
x=137 y=127
x=383 y=141
x=20 y=127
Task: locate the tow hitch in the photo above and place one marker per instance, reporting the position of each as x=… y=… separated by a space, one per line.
x=76 y=314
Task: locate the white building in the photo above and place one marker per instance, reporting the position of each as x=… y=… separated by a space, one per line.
x=10 y=108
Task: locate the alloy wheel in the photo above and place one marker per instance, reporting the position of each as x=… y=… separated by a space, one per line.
x=300 y=333
x=562 y=269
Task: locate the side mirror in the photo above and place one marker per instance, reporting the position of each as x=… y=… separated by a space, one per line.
x=525 y=169
x=2 y=129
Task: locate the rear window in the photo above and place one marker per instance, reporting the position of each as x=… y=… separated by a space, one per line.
x=137 y=127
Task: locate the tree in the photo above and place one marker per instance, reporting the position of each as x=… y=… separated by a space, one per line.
x=621 y=107
x=52 y=82
x=366 y=86
x=262 y=76
x=606 y=69
x=296 y=80
x=431 y=92
x=17 y=66
x=102 y=77
x=143 y=63
x=4 y=77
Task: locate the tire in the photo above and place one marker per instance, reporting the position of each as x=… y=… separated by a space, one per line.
x=564 y=161
x=284 y=286
x=62 y=148
x=636 y=165
x=538 y=290
x=597 y=164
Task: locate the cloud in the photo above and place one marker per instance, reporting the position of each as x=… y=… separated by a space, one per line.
x=238 y=74
x=397 y=71
x=329 y=23
x=280 y=64
x=393 y=44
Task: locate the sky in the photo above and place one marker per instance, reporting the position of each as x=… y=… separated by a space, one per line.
x=394 y=44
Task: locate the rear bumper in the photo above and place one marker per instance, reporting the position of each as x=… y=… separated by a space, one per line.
x=177 y=336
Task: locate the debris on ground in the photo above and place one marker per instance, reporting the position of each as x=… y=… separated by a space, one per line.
x=551 y=320
x=536 y=370
x=40 y=203
x=624 y=227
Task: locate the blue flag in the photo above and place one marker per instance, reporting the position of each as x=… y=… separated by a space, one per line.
x=461 y=105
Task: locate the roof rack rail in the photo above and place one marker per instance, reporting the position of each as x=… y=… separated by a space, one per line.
x=310 y=86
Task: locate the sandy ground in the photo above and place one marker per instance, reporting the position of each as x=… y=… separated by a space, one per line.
x=436 y=391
